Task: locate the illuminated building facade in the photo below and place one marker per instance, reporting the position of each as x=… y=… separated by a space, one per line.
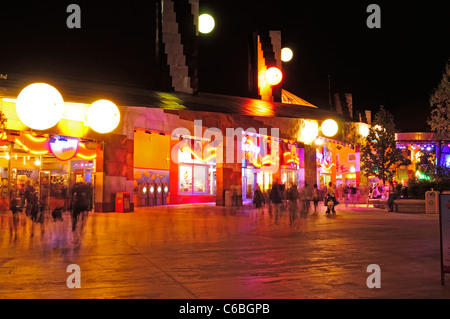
x=143 y=155
x=425 y=150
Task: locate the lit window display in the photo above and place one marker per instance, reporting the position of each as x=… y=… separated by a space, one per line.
x=195 y=175
x=48 y=165
x=264 y=179
x=185 y=178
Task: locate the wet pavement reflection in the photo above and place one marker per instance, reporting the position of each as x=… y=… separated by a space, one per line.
x=204 y=251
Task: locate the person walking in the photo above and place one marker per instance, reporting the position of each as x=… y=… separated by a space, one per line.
x=293 y=206
x=80 y=203
x=315 y=197
x=258 y=198
x=275 y=198
x=331 y=195
x=15 y=208
x=346 y=194
x=353 y=191
x=391 y=197
x=305 y=198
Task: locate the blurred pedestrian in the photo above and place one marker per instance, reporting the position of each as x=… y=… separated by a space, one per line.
x=305 y=198
x=391 y=197
x=293 y=203
x=37 y=210
x=28 y=194
x=353 y=191
x=15 y=208
x=315 y=197
x=258 y=198
x=346 y=194
x=275 y=198
x=331 y=195
x=80 y=203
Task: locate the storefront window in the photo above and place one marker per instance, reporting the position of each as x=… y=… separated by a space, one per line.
x=200 y=179
x=289 y=177
x=264 y=179
x=185 y=178
x=196 y=176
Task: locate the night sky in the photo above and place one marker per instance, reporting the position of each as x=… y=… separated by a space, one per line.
x=396 y=66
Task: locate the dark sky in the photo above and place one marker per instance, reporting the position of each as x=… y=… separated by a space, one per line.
x=396 y=66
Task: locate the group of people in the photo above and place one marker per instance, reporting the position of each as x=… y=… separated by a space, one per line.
x=391 y=192
x=293 y=198
x=26 y=200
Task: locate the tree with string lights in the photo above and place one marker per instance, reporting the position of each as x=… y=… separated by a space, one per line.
x=439 y=119
x=379 y=155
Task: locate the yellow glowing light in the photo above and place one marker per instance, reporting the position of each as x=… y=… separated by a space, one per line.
x=86 y=157
x=213 y=153
x=103 y=116
x=318 y=141
x=329 y=127
x=40 y=106
x=273 y=76
x=27 y=149
x=21 y=145
x=38 y=152
x=36 y=139
x=286 y=54
x=265 y=160
x=363 y=130
x=309 y=131
x=327 y=168
x=205 y=23
x=378 y=127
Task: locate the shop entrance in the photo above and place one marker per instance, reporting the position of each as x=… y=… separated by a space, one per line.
x=264 y=179
x=248 y=183
x=35 y=166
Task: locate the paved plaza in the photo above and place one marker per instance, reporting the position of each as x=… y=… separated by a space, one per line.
x=202 y=252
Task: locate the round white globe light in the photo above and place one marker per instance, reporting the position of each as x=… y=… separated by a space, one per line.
x=364 y=130
x=273 y=76
x=205 y=23
x=286 y=54
x=103 y=116
x=40 y=106
x=329 y=127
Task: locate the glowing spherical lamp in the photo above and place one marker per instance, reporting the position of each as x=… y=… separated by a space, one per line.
x=40 y=106
x=363 y=130
x=286 y=54
x=329 y=127
x=103 y=116
x=309 y=131
x=205 y=23
x=273 y=76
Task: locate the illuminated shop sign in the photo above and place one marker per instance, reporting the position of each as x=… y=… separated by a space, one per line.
x=64 y=148
x=249 y=147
